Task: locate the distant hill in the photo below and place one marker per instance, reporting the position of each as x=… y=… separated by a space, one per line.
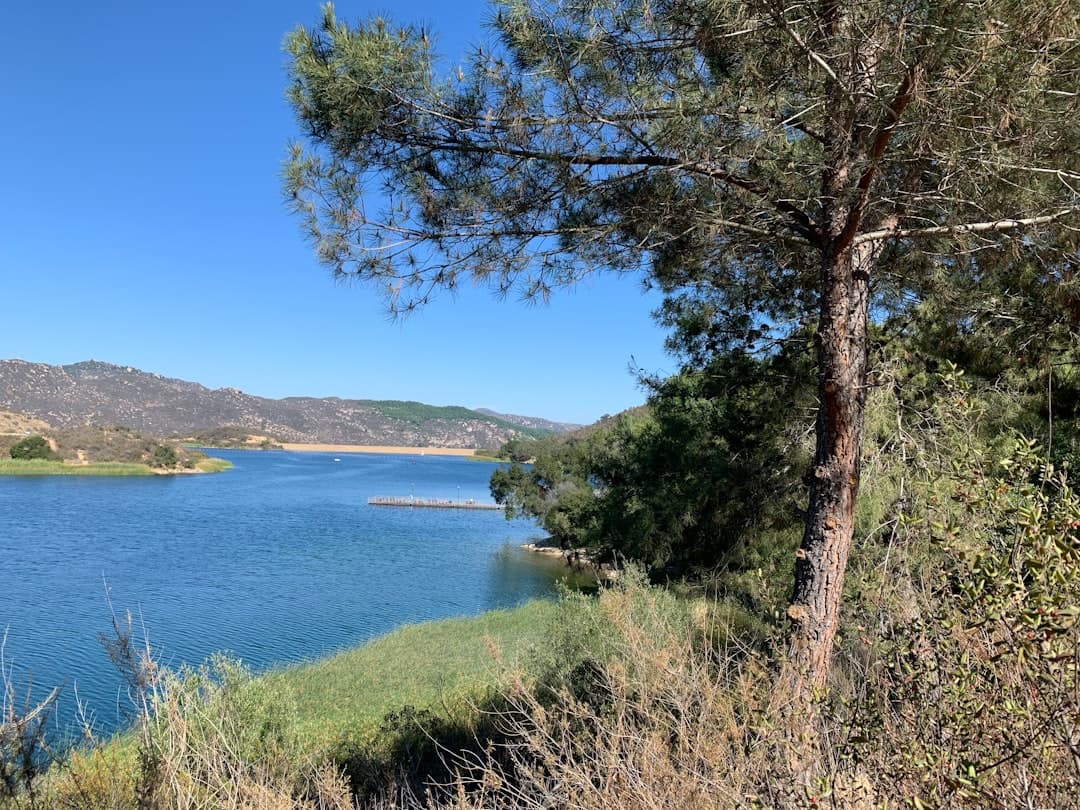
x=533 y=422
x=96 y=393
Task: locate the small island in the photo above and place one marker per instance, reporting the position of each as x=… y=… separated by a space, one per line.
x=30 y=446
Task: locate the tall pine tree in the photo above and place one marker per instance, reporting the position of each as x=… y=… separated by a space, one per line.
x=793 y=159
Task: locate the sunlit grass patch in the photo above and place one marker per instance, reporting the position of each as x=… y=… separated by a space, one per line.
x=437 y=665
x=213 y=465
x=10 y=466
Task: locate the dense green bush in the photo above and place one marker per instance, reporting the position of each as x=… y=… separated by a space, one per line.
x=164 y=456
x=958 y=677
x=32 y=447
x=716 y=459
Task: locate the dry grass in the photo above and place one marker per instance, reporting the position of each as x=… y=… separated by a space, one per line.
x=672 y=714
x=677 y=716
x=20 y=424
x=673 y=720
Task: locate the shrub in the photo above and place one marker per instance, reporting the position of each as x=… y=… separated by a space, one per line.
x=972 y=693
x=32 y=447
x=24 y=746
x=164 y=456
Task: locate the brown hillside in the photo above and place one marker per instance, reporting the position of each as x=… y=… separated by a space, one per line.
x=96 y=393
x=13 y=423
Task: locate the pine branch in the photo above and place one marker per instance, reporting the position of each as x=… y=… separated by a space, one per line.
x=799 y=220
x=904 y=95
x=996 y=226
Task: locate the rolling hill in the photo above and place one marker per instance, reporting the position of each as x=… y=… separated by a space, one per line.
x=97 y=393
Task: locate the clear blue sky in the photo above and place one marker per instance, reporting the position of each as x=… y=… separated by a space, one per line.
x=142 y=223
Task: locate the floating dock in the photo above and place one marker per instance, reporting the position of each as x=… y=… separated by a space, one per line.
x=432 y=503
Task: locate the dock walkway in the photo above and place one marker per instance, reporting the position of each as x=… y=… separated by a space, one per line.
x=431 y=503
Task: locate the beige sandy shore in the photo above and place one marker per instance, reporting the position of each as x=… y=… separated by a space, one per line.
x=379 y=448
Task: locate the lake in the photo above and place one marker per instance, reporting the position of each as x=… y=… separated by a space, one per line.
x=278 y=560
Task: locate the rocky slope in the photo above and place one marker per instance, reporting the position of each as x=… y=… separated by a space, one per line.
x=533 y=422
x=99 y=393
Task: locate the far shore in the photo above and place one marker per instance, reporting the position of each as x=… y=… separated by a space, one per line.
x=378 y=448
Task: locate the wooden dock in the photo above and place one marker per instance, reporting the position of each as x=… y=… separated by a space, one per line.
x=431 y=503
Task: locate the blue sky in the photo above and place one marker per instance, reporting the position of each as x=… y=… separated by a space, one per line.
x=142 y=223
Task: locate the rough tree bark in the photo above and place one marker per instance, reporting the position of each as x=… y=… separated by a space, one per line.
x=822 y=557
x=854 y=140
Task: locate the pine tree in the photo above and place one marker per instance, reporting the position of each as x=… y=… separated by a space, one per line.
x=788 y=160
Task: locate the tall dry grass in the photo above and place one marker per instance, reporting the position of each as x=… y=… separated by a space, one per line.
x=956 y=681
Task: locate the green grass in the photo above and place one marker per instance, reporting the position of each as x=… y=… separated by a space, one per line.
x=213 y=465
x=10 y=466
x=338 y=704
x=441 y=666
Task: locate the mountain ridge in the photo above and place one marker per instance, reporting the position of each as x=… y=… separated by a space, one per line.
x=100 y=393
x=536 y=422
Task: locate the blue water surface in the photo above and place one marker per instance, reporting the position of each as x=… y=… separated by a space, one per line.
x=278 y=560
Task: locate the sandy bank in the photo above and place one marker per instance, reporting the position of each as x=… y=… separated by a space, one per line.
x=378 y=448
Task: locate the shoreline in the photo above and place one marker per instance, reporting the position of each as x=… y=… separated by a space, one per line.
x=105 y=469
x=579 y=559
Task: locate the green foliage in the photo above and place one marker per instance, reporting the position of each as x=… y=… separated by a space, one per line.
x=518 y=450
x=554 y=489
x=965 y=642
x=164 y=456
x=417 y=413
x=1015 y=326
x=716 y=459
x=687 y=139
x=31 y=448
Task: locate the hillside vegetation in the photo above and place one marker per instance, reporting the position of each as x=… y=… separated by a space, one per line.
x=19 y=424
x=232 y=437
x=417 y=413
x=89 y=450
x=93 y=392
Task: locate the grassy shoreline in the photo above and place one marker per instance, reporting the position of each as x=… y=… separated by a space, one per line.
x=38 y=467
x=10 y=466
x=335 y=707
x=447 y=665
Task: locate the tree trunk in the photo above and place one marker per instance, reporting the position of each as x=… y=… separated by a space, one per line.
x=822 y=557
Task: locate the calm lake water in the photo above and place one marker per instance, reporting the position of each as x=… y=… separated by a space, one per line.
x=278 y=560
